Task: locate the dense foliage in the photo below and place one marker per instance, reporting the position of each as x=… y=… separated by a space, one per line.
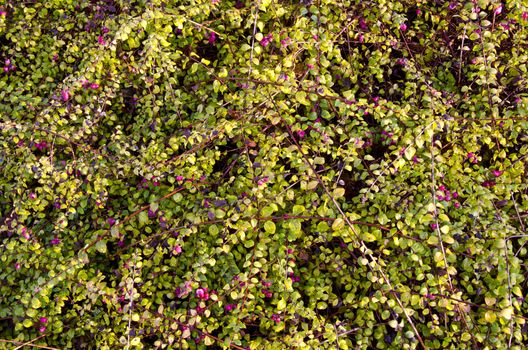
x=265 y=174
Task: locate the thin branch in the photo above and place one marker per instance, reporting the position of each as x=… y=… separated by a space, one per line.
x=27 y=344
x=253 y=39
x=131 y=297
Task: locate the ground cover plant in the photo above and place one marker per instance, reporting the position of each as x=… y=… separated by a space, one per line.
x=265 y=174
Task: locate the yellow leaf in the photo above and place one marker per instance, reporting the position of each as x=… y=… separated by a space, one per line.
x=338 y=224
x=338 y=192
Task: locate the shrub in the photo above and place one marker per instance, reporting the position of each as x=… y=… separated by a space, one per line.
x=270 y=174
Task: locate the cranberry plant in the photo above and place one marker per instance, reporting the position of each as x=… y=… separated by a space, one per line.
x=264 y=174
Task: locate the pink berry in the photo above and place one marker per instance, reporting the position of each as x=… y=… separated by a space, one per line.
x=43 y=320
x=498 y=10
x=457 y=205
x=65 y=95
x=497 y=173
x=212 y=38
x=403 y=27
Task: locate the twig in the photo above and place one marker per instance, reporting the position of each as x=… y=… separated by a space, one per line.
x=253 y=39
x=33 y=345
x=131 y=296
x=29 y=342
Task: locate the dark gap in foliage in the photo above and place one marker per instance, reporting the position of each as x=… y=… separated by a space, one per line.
x=208 y=51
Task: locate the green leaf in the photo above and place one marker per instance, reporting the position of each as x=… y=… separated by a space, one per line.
x=35 y=303
x=267 y=211
x=490 y=316
x=368 y=237
x=410 y=151
x=281 y=305
x=100 y=246
x=338 y=224
x=300 y=96
x=295 y=227
x=143 y=218
x=213 y=230
x=312 y=184
x=298 y=209
x=269 y=227
x=338 y=192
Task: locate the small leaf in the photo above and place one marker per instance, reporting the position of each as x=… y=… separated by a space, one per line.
x=35 y=303
x=213 y=230
x=269 y=227
x=100 y=246
x=368 y=237
x=490 y=316
x=338 y=192
x=312 y=184
x=267 y=211
x=507 y=313
x=443 y=217
x=466 y=336
x=298 y=209
x=143 y=218
x=410 y=152
x=338 y=224
x=281 y=305
x=114 y=231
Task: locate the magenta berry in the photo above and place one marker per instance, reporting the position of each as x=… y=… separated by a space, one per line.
x=496 y=173
x=65 y=95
